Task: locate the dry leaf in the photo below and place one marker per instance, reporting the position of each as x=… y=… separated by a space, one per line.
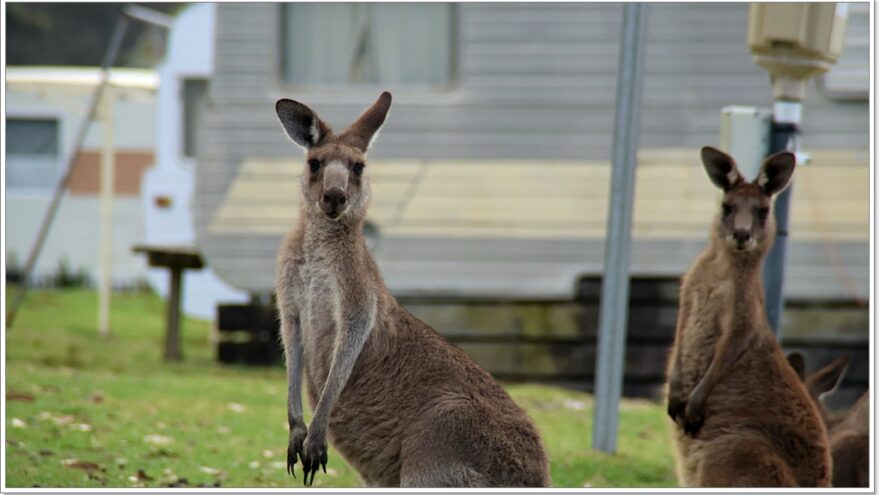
x=158 y=439
x=20 y=396
x=141 y=475
x=78 y=464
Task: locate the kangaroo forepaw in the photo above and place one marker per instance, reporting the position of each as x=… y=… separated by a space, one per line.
x=675 y=408
x=295 y=441
x=693 y=418
x=314 y=456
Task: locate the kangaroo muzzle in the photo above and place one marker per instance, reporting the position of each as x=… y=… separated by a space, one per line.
x=742 y=230
x=334 y=198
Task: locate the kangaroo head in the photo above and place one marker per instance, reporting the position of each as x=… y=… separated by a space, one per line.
x=334 y=183
x=827 y=378
x=744 y=223
x=819 y=382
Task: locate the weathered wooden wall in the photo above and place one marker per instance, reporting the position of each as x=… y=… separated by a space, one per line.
x=555 y=341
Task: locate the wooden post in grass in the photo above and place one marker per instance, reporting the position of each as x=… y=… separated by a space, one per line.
x=172 y=333
x=176 y=259
x=105 y=249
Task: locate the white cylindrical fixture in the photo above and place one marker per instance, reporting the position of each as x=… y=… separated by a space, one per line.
x=787 y=112
x=105 y=250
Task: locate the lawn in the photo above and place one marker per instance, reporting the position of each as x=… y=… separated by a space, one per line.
x=91 y=412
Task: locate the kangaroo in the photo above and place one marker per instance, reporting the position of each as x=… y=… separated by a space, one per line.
x=848 y=433
x=400 y=403
x=851 y=445
x=742 y=417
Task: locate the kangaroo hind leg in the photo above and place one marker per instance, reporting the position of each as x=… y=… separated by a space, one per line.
x=440 y=452
x=744 y=463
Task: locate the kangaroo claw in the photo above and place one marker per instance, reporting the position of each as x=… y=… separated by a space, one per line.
x=314 y=457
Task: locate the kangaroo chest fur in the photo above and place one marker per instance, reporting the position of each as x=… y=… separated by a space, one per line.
x=716 y=302
x=318 y=288
x=319 y=306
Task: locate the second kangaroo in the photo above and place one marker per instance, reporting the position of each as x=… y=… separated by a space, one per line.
x=400 y=403
x=849 y=432
x=743 y=417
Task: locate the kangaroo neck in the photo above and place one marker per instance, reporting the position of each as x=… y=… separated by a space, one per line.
x=342 y=238
x=743 y=271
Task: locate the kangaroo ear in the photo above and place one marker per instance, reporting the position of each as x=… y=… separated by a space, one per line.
x=721 y=168
x=796 y=360
x=364 y=130
x=827 y=378
x=301 y=123
x=776 y=172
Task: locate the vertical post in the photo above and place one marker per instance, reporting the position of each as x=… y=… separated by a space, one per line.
x=109 y=58
x=172 y=337
x=615 y=281
x=786 y=119
x=105 y=250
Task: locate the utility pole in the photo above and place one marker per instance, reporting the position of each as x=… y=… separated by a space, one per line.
x=611 y=345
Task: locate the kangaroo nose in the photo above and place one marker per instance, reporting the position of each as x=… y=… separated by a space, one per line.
x=334 y=197
x=741 y=236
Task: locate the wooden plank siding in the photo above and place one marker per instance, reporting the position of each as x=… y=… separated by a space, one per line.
x=533 y=82
x=555 y=341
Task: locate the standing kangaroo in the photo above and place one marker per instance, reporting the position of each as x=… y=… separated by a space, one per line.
x=400 y=403
x=743 y=418
x=848 y=433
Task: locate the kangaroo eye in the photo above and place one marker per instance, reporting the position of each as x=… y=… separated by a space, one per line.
x=763 y=213
x=358 y=168
x=314 y=165
x=726 y=209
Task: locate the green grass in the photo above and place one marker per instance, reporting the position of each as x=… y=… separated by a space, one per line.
x=92 y=412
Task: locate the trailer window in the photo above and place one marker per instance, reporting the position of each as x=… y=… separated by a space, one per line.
x=31 y=153
x=346 y=44
x=194 y=91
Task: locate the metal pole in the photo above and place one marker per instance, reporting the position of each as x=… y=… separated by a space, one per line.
x=783 y=134
x=615 y=281
x=109 y=58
